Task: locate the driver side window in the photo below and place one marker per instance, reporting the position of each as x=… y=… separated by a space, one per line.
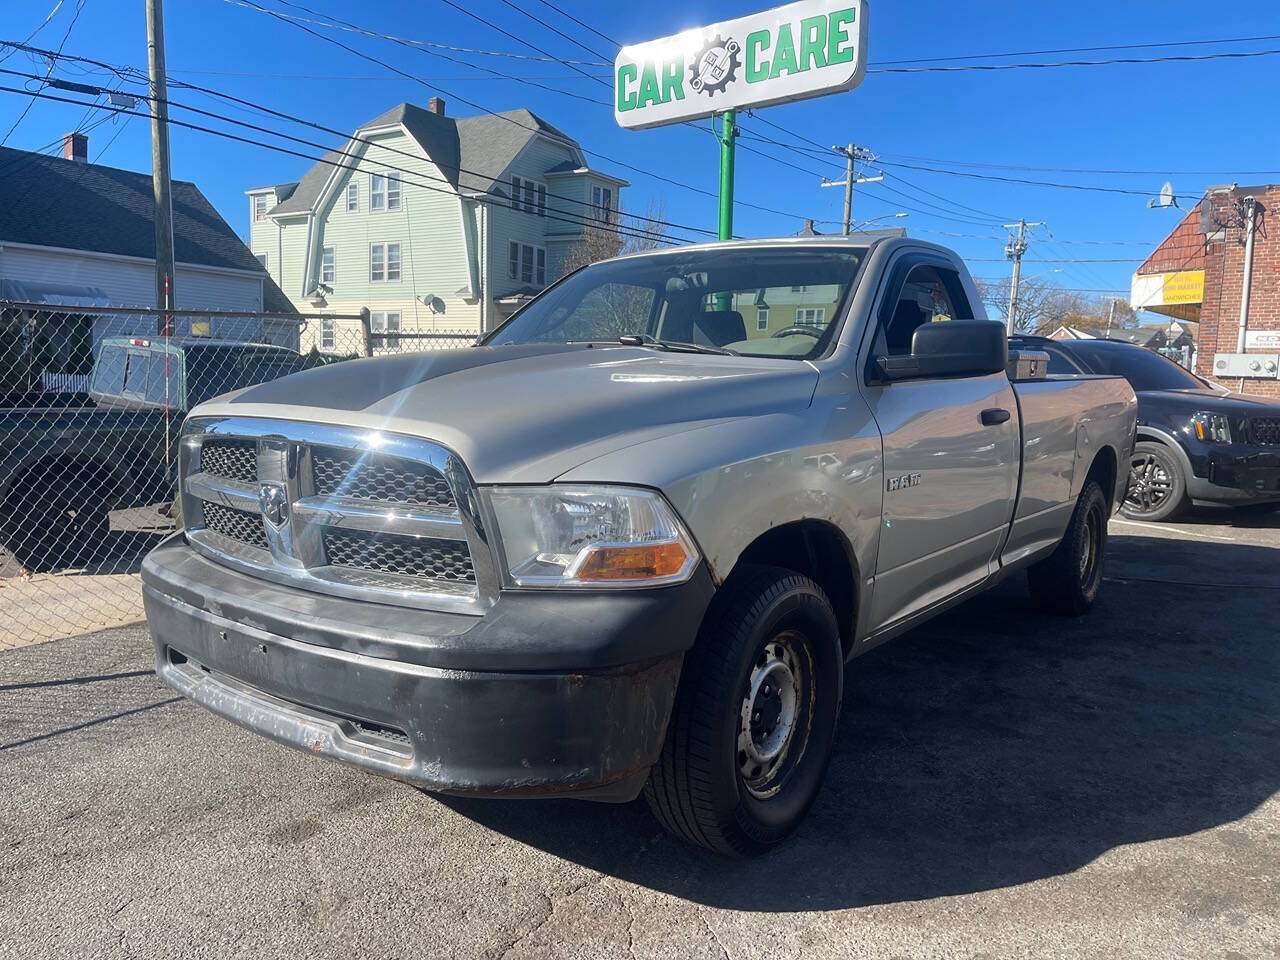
x=929 y=294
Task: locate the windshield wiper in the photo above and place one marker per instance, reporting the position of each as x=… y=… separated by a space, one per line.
x=675 y=346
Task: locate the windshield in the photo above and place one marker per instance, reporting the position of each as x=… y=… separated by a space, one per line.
x=1144 y=369
x=761 y=302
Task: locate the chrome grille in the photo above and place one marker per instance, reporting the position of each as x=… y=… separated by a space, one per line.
x=353 y=513
x=400 y=556
x=230 y=459
x=378 y=478
x=1265 y=431
x=239 y=525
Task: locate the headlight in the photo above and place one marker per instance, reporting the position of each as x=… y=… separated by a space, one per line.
x=585 y=536
x=1211 y=427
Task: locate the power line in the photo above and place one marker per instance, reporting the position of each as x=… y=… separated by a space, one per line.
x=1018 y=180
x=1045 y=53
x=1108 y=172
x=456 y=96
x=622 y=231
x=27 y=109
x=1111 y=61
x=586 y=26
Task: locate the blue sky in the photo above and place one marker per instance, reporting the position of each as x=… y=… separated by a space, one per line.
x=1194 y=123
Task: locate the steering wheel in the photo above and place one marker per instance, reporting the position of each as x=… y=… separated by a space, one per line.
x=806 y=331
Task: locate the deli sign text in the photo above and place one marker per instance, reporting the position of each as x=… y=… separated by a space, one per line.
x=802 y=50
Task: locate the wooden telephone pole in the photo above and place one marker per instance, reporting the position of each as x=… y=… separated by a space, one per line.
x=159 y=95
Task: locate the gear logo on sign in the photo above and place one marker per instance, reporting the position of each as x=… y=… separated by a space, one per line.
x=715 y=66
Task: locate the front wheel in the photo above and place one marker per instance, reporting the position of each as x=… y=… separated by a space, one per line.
x=1066 y=582
x=1157 y=486
x=750 y=735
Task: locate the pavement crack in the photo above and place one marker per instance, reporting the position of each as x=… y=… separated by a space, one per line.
x=724 y=951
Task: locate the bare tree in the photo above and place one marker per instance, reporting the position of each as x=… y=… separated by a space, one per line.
x=629 y=234
x=1044 y=306
x=612 y=310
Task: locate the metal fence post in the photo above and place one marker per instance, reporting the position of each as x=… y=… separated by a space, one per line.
x=368 y=335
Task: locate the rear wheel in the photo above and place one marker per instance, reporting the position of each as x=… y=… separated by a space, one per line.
x=1157 y=485
x=750 y=735
x=1066 y=582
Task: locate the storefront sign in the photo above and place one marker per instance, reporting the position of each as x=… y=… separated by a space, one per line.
x=1262 y=340
x=1152 y=290
x=802 y=50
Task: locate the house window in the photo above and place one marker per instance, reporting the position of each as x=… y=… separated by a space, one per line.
x=353 y=197
x=762 y=318
x=328 y=265
x=377 y=191
x=384 y=262
x=393 y=192
x=529 y=196
x=526 y=263
x=811 y=316
x=602 y=202
x=385 y=324
x=262 y=259
x=328 y=333
x=259 y=207
x=393 y=261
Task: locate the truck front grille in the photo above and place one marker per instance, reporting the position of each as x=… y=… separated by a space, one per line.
x=1265 y=431
x=377 y=477
x=230 y=459
x=338 y=510
x=400 y=556
x=239 y=525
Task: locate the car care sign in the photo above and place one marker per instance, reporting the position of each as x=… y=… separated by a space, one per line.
x=802 y=50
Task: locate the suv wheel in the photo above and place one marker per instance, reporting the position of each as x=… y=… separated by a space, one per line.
x=1066 y=582
x=1157 y=487
x=750 y=735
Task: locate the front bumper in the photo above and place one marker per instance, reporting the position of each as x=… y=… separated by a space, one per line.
x=1237 y=474
x=545 y=695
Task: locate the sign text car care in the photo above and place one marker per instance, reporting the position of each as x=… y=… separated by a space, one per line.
x=801 y=50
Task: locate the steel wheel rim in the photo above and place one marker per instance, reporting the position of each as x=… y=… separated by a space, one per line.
x=1150 y=483
x=774 y=718
x=1090 y=539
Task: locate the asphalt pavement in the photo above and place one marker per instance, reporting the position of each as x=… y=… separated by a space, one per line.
x=1005 y=784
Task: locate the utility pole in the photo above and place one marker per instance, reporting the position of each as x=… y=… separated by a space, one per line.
x=1111 y=315
x=165 y=288
x=1014 y=250
x=851 y=153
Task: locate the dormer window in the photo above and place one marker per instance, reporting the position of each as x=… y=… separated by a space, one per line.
x=259 y=207
x=602 y=203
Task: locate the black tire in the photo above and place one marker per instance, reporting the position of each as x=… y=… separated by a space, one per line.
x=705 y=788
x=1157 y=485
x=1066 y=582
x=51 y=526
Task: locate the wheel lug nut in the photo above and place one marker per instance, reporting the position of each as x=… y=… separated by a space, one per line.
x=756 y=715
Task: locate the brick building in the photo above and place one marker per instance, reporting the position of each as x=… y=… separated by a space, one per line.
x=1197 y=275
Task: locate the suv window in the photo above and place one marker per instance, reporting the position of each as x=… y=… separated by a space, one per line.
x=929 y=294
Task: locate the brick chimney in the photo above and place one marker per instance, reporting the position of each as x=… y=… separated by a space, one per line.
x=436 y=106
x=75 y=146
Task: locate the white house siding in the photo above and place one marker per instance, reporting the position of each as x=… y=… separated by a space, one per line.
x=131 y=283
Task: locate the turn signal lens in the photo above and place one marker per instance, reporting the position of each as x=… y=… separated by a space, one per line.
x=656 y=562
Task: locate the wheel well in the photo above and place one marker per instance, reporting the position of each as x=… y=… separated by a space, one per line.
x=72 y=470
x=820 y=551
x=1103 y=469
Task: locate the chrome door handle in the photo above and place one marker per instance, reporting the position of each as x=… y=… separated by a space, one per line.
x=994 y=416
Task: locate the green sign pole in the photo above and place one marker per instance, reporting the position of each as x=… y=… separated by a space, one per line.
x=728 y=134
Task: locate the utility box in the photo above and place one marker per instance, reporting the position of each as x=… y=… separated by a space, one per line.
x=1259 y=366
x=1027 y=365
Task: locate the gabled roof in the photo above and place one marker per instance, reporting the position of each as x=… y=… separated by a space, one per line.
x=471 y=152
x=51 y=202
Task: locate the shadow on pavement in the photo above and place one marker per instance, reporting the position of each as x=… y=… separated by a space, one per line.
x=996 y=746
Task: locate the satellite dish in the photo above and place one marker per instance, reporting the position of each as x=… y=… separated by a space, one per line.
x=432 y=303
x=1165 y=199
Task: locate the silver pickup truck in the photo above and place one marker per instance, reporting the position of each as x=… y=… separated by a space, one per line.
x=628 y=542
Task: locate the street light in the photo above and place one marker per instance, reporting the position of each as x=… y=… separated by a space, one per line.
x=887 y=216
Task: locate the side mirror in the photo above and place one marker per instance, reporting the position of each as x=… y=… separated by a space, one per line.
x=952 y=348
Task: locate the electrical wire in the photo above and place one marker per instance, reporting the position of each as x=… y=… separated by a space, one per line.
x=27 y=109
x=576 y=221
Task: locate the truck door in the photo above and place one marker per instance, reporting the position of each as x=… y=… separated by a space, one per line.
x=950 y=453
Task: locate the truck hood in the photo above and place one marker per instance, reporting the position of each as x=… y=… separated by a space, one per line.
x=1193 y=401
x=528 y=413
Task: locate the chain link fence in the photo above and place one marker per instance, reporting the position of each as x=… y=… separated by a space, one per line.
x=92 y=401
